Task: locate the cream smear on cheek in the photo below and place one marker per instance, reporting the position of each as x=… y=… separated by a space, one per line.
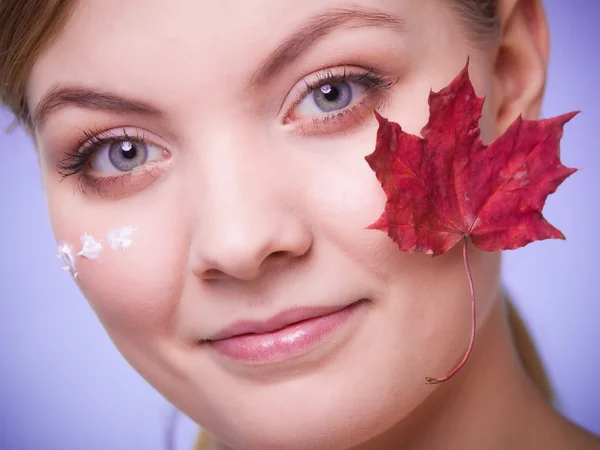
x=119 y=238
x=90 y=247
x=65 y=253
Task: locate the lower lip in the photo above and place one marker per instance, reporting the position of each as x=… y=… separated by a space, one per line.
x=286 y=342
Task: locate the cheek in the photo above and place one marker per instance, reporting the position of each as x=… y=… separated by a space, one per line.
x=421 y=317
x=134 y=292
x=341 y=193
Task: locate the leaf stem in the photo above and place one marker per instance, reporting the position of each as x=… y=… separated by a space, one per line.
x=430 y=380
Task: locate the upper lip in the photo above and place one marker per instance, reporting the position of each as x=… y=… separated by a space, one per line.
x=276 y=322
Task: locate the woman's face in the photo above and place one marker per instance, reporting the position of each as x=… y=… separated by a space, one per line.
x=232 y=137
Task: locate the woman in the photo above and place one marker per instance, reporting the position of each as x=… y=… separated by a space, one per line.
x=205 y=177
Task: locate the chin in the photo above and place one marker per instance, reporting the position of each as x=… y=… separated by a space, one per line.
x=305 y=431
x=309 y=414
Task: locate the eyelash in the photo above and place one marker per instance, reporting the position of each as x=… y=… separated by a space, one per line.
x=372 y=81
x=78 y=158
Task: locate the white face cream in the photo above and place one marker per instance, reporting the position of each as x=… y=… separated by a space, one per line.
x=121 y=238
x=65 y=253
x=91 y=248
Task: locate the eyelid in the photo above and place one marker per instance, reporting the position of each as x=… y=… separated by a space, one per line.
x=125 y=133
x=120 y=186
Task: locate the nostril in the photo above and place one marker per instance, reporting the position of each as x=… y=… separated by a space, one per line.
x=210 y=274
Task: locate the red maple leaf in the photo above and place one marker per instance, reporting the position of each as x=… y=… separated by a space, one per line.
x=449 y=186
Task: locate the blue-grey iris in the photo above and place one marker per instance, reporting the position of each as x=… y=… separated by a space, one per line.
x=127 y=155
x=333 y=97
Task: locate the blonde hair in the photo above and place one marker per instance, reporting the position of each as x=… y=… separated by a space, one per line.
x=26 y=26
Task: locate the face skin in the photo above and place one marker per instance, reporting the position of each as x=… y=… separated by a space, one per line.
x=248 y=208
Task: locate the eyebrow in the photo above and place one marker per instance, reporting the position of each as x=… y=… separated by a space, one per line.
x=300 y=41
x=315 y=29
x=62 y=96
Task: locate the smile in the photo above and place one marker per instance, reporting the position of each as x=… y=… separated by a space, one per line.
x=286 y=335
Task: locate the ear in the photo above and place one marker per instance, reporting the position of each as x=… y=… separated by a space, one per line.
x=521 y=61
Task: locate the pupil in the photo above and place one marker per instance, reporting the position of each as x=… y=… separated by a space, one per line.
x=128 y=150
x=331 y=93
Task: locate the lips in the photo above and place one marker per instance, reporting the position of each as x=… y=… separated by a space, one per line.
x=287 y=335
x=277 y=322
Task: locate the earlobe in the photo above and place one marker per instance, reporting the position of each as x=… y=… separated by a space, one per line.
x=521 y=61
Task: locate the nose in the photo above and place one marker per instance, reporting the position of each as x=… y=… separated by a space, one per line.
x=243 y=245
x=246 y=223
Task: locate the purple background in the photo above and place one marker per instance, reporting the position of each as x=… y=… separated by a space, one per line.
x=63 y=386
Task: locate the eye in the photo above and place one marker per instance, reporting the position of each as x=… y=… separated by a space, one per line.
x=123 y=155
x=115 y=164
x=336 y=100
x=329 y=97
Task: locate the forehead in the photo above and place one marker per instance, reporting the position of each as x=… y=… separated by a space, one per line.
x=142 y=46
